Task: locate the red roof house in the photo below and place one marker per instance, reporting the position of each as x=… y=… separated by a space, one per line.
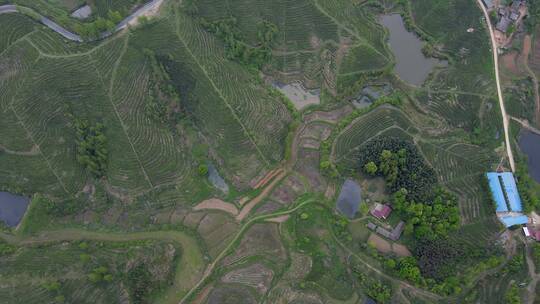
x=381 y=211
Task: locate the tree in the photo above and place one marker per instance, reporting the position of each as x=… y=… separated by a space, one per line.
x=371 y=168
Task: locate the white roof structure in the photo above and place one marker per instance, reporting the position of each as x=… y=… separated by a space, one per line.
x=526 y=231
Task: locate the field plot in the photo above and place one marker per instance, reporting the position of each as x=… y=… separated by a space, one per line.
x=217 y=230
x=28 y=273
x=260 y=240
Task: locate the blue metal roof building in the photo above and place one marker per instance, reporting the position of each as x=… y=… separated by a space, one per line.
x=510 y=221
x=497 y=192
x=512 y=193
x=504 y=191
x=506 y=196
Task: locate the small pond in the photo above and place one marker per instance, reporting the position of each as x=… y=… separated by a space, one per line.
x=216 y=179
x=411 y=64
x=12 y=208
x=349 y=198
x=529 y=143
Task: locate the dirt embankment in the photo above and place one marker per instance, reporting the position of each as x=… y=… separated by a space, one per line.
x=217 y=204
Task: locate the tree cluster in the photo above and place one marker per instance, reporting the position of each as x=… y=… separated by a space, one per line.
x=163 y=103
x=437 y=257
x=235 y=46
x=401 y=164
x=92 y=152
x=100 y=274
x=139 y=282
x=430 y=219
x=93 y=30
x=375 y=289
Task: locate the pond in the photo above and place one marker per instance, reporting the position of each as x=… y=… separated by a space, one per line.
x=349 y=198
x=216 y=179
x=529 y=143
x=411 y=64
x=12 y=208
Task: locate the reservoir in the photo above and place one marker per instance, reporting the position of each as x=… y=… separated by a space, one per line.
x=411 y=64
x=529 y=143
x=12 y=208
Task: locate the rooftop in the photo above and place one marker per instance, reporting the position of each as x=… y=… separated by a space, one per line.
x=504 y=192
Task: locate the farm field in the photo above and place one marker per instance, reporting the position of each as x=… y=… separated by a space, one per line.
x=164 y=164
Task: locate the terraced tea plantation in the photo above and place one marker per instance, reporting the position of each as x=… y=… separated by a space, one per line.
x=165 y=163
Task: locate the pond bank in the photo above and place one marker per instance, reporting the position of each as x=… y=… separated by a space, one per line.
x=411 y=64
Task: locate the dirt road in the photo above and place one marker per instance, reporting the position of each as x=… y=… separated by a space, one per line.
x=499 y=91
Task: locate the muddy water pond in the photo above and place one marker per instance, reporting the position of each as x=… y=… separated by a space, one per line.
x=529 y=143
x=349 y=198
x=216 y=180
x=12 y=208
x=411 y=64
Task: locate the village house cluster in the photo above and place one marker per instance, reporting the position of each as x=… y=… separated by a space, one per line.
x=509 y=19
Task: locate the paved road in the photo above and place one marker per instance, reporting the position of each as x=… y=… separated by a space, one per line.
x=499 y=91
x=60 y=30
x=147 y=9
x=46 y=21
x=8 y=9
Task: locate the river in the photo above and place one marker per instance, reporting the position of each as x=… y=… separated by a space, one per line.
x=12 y=208
x=411 y=64
x=529 y=143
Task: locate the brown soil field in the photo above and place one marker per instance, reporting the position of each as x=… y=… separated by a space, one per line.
x=260 y=239
x=509 y=62
x=192 y=219
x=401 y=250
x=381 y=244
x=217 y=204
x=217 y=230
x=534 y=59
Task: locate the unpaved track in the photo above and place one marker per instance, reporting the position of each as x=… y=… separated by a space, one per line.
x=499 y=91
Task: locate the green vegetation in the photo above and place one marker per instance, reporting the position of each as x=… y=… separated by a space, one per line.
x=401 y=165
x=235 y=46
x=92 y=147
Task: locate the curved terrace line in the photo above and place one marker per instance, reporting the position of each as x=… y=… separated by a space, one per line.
x=146 y=9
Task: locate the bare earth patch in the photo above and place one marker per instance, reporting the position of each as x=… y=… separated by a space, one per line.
x=381 y=244
x=279 y=219
x=217 y=204
x=401 y=250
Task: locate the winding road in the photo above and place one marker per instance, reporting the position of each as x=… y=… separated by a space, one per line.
x=148 y=9
x=505 y=117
